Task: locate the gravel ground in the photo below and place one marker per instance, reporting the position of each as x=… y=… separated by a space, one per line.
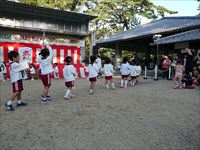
x=149 y=116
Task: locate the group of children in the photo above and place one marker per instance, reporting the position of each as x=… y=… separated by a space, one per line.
x=69 y=72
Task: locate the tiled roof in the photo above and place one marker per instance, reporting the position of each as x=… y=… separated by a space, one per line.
x=181 y=37
x=161 y=26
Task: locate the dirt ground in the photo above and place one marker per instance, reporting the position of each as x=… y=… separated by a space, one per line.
x=149 y=116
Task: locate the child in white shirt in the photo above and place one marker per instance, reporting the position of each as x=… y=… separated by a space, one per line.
x=45 y=61
x=16 y=79
x=69 y=73
x=56 y=72
x=125 y=70
x=133 y=72
x=32 y=71
x=138 y=71
x=92 y=70
x=108 y=71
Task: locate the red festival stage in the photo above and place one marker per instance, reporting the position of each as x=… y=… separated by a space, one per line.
x=30 y=51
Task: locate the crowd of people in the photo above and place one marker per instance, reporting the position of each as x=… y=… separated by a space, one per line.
x=94 y=69
x=185 y=71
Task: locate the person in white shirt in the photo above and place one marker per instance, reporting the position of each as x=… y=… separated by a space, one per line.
x=133 y=72
x=108 y=72
x=138 y=71
x=99 y=63
x=92 y=70
x=69 y=73
x=45 y=61
x=32 y=71
x=125 y=71
x=56 y=72
x=16 y=79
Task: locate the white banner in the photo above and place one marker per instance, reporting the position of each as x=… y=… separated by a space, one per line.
x=25 y=54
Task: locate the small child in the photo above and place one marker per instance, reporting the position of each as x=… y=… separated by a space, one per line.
x=16 y=79
x=56 y=73
x=178 y=74
x=92 y=70
x=45 y=61
x=108 y=71
x=138 y=71
x=69 y=73
x=133 y=72
x=125 y=70
x=99 y=64
x=32 y=71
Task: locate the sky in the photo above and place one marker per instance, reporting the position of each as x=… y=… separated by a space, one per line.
x=184 y=7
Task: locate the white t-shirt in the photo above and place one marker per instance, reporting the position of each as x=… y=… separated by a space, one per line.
x=56 y=69
x=138 y=70
x=16 y=71
x=133 y=70
x=46 y=64
x=99 y=63
x=93 y=70
x=108 y=69
x=32 y=70
x=69 y=73
x=124 y=69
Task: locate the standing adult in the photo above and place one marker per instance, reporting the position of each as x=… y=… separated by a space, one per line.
x=189 y=63
x=165 y=67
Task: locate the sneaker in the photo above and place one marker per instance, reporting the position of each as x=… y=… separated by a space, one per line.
x=44 y=100
x=91 y=92
x=113 y=88
x=22 y=104
x=67 y=97
x=9 y=107
x=107 y=88
x=49 y=98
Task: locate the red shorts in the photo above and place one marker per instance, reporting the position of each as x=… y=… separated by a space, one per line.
x=133 y=77
x=17 y=86
x=46 y=79
x=69 y=84
x=125 y=76
x=93 y=79
x=108 y=77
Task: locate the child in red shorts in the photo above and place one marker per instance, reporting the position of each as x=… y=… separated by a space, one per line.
x=69 y=73
x=92 y=70
x=108 y=71
x=45 y=61
x=16 y=69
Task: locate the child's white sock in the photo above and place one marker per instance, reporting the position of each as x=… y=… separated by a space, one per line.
x=126 y=82
x=122 y=82
x=67 y=93
x=19 y=101
x=9 y=102
x=107 y=87
x=113 y=85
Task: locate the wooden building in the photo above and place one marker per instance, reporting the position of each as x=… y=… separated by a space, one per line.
x=24 y=27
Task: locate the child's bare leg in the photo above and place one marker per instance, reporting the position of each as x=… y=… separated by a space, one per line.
x=46 y=91
x=107 y=86
x=14 y=95
x=112 y=83
x=93 y=85
x=19 y=96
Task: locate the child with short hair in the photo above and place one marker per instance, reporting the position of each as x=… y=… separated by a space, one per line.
x=92 y=70
x=69 y=73
x=16 y=79
x=32 y=71
x=45 y=61
x=133 y=72
x=108 y=71
x=125 y=70
x=178 y=74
